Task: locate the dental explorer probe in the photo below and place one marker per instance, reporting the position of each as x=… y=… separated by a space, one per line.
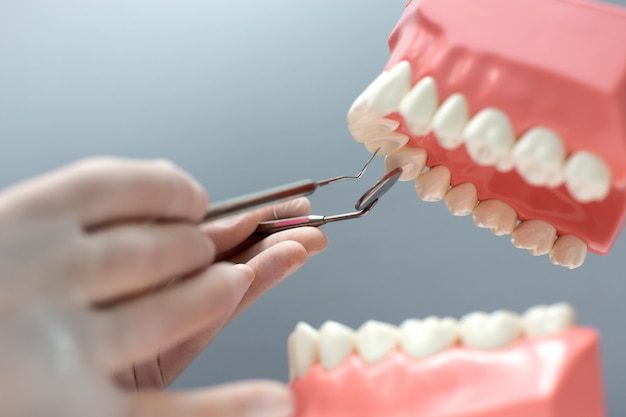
x=274 y=195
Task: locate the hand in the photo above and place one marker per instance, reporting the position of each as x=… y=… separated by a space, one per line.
x=271 y=259
x=97 y=258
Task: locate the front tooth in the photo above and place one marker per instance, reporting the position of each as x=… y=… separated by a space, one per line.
x=450 y=120
x=543 y=320
x=423 y=338
x=419 y=106
x=374 y=340
x=489 y=139
x=386 y=144
x=385 y=96
x=336 y=343
x=588 y=178
x=568 y=251
x=434 y=184
x=539 y=157
x=536 y=236
x=490 y=331
x=461 y=199
x=302 y=347
x=372 y=128
x=411 y=160
x=495 y=215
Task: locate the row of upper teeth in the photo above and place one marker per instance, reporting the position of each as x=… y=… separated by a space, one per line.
x=539 y=156
x=374 y=340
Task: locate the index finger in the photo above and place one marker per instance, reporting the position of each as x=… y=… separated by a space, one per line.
x=103 y=190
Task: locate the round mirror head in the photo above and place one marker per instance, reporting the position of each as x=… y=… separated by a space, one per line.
x=379 y=189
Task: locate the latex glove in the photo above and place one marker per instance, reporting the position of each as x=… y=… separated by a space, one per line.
x=271 y=259
x=86 y=263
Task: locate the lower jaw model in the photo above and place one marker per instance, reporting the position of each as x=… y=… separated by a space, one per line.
x=484 y=365
x=514 y=112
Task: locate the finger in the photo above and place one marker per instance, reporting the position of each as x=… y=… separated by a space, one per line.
x=312 y=239
x=270 y=267
x=127 y=259
x=103 y=190
x=138 y=330
x=243 y=399
x=231 y=231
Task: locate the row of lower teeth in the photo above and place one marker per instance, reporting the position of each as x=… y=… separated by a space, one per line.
x=536 y=236
x=374 y=340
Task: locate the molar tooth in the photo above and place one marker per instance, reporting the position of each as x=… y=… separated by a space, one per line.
x=490 y=331
x=433 y=185
x=385 y=96
x=386 y=144
x=374 y=340
x=336 y=343
x=461 y=199
x=536 y=236
x=489 y=139
x=372 y=128
x=543 y=320
x=588 y=178
x=568 y=251
x=302 y=348
x=423 y=338
x=450 y=120
x=539 y=157
x=419 y=106
x=411 y=160
x=495 y=215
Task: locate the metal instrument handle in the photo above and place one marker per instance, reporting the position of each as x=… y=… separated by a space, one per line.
x=273 y=226
x=258 y=199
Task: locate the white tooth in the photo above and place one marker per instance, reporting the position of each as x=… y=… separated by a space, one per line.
x=385 y=96
x=434 y=184
x=359 y=109
x=419 y=106
x=422 y=338
x=411 y=160
x=588 y=178
x=495 y=215
x=302 y=347
x=375 y=340
x=489 y=139
x=490 y=331
x=336 y=343
x=461 y=199
x=568 y=251
x=539 y=157
x=543 y=320
x=386 y=144
x=450 y=120
x=372 y=128
x=536 y=236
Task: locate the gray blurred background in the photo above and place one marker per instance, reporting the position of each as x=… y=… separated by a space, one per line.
x=250 y=94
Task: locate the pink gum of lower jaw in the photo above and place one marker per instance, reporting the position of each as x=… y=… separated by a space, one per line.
x=532 y=86
x=550 y=376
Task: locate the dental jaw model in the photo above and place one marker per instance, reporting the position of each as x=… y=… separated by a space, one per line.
x=516 y=109
x=485 y=365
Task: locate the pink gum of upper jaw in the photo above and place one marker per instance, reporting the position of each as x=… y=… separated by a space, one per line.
x=552 y=63
x=550 y=376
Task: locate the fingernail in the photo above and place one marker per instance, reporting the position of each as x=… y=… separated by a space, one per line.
x=273 y=401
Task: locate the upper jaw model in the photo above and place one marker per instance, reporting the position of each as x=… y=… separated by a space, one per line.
x=518 y=109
